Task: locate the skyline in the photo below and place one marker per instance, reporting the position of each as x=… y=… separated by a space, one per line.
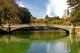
x=41 y=8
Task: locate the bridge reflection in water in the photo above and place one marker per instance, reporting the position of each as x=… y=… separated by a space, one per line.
x=35 y=44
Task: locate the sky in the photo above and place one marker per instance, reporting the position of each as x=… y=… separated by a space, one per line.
x=41 y=8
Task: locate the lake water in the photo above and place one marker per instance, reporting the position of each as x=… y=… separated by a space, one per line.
x=39 y=42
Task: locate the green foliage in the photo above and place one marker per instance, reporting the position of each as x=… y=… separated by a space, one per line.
x=10 y=12
x=54 y=20
x=72 y=3
x=25 y=15
x=75 y=14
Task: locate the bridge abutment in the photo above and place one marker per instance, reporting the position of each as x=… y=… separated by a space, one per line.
x=72 y=31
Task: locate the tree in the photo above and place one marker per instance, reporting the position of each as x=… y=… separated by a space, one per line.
x=25 y=15
x=54 y=20
x=75 y=13
x=10 y=12
x=72 y=3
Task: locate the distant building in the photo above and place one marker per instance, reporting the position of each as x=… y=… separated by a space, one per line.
x=46 y=17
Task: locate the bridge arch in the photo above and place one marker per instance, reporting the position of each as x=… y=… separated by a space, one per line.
x=66 y=30
x=22 y=28
x=34 y=28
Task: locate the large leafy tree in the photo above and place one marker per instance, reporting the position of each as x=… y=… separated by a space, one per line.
x=75 y=13
x=72 y=3
x=25 y=15
x=10 y=12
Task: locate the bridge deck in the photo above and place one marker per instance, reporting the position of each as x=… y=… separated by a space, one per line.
x=37 y=25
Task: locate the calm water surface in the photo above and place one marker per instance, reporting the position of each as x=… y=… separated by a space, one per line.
x=39 y=42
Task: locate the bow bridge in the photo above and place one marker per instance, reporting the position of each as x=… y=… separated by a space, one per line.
x=68 y=28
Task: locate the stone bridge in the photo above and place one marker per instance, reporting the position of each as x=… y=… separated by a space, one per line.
x=68 y=28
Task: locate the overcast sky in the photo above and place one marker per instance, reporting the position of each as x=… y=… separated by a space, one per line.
x=40 y=8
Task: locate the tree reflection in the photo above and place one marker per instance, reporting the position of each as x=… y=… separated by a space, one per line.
x=14 y=47
x=73 y=43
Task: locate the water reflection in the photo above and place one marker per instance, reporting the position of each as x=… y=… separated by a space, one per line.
x=40 y=42
x=74 y=43
x=14 y=47
x=50 y=47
